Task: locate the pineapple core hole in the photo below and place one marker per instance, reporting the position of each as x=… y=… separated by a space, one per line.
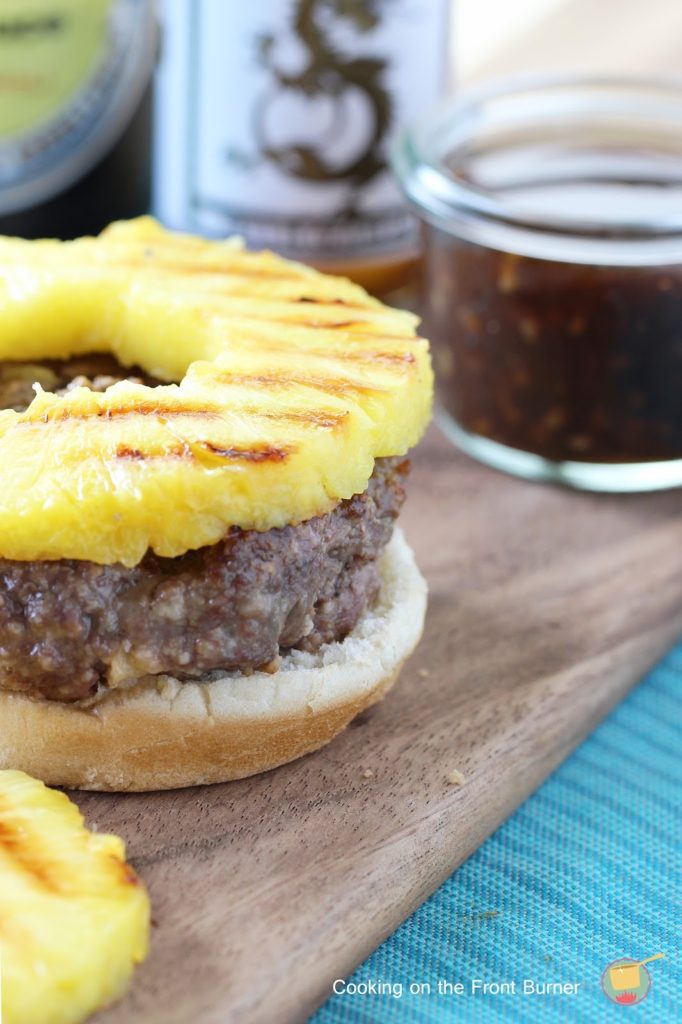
x=97 y=372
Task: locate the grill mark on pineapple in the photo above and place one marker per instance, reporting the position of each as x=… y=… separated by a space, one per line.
x=260 y=273
x=330 y=385
x=61 y=413
x=326 y=420
x=285 y=311
x=23 y=849
x=252 y=325
x=193 y=452
x=291 y=320
x=392 y=358
x=264 y=453
x=125 y=451
x=332 y=302
x=351 y=352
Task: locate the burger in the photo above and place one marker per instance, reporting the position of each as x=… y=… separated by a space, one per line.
x=202 y=458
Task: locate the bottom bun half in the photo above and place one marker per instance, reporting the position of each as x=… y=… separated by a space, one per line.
x=161 y=733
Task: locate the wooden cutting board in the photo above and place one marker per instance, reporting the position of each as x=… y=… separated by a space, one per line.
x=545 y=607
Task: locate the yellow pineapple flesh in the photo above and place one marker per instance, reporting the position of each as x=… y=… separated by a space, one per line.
x=291 y=384
x=74 y=917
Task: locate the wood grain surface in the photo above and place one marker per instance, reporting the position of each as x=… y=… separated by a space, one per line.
x=545 y=607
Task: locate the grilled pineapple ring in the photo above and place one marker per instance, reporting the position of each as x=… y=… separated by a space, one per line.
x=291 y=384
x=74 y=917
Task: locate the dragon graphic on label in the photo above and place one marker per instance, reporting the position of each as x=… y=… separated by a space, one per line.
x=351 y=91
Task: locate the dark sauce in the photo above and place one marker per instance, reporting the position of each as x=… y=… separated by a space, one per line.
x=569 y=362
x=565 y=359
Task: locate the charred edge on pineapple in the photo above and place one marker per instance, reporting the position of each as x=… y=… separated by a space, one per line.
x=265 y=453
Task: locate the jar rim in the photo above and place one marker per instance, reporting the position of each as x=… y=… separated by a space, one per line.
x=443 y=195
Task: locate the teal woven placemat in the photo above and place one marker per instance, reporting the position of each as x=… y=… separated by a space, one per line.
x=586 y=872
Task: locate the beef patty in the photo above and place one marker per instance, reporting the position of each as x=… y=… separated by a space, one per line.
x=69 y=628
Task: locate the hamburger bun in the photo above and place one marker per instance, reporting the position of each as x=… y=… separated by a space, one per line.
x=161 y=733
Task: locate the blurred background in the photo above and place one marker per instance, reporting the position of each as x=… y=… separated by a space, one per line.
x=495 y=37
x=99 y=97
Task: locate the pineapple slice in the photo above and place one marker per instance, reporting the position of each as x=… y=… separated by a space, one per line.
x=74 y=917
x=291 y=384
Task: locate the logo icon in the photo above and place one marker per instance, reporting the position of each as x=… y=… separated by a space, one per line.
x=626 y=981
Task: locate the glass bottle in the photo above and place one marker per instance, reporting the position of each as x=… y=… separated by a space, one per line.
x=274 y=121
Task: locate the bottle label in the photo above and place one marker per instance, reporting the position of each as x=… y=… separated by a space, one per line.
x=71 y=74
x=274 y=119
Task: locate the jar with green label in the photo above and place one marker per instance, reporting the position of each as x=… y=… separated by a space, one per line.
x=75 y=130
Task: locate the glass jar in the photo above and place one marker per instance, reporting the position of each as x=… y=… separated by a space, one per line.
x=552 y=215
x=75 y=114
